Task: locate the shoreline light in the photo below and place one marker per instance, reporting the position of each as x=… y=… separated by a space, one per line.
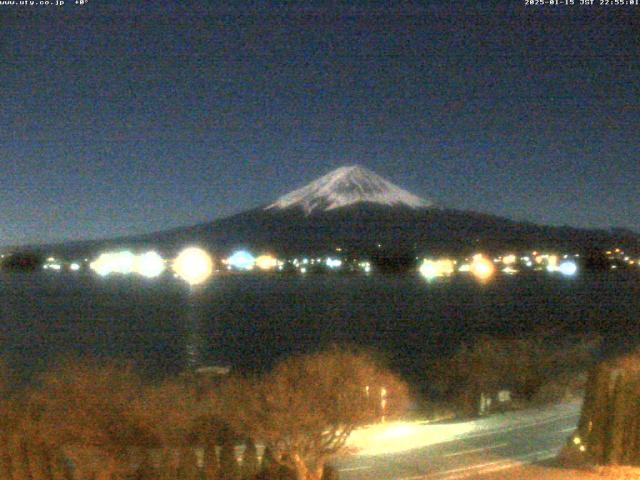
x=114 y=262
x=149 y=264
x=428 y=269
x=334 y=263
x=431 y=269
x=568 y=268
x=445 y=266
x=509 y=259
x=193 y=265
x=482 y=268
x=266 y=262
x=241 y=260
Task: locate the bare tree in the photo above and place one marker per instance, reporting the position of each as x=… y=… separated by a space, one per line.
x=307 y=407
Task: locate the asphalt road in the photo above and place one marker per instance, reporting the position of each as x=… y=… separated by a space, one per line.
x=496 y=443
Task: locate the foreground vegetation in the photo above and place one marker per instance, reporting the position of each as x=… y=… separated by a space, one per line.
x=94 y=421
x=535 y=369
x=609 y=429
x=102 y=421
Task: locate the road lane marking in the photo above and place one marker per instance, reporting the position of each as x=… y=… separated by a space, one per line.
x=570 y=429
x=353 y=469
x=474 y=450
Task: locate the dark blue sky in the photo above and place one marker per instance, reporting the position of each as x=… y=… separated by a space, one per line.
x=127 y=117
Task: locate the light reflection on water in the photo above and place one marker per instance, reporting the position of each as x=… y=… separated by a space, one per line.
x=193 y=337
x=250 y=321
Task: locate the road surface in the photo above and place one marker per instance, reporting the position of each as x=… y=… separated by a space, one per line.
x=417 y=450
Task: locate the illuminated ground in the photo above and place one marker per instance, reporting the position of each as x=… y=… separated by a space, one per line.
x=550 y=471
x=499 y=445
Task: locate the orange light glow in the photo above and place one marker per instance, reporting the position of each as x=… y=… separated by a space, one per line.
x=445 y=266
x=509 y=259
x=482 y=268
x=439 y=268
x=266 y=262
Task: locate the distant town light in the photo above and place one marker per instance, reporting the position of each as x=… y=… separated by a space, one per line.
x=122 y=262
x=428 y=269
x=568 y=268
x=333 y=263
x=445 y=266
x=149 y=264
x=266 y=262
x=509 y=259
x=242 y=260
x=482 y=268
x=101 y=265
x=114 y=262
x=431 y=269
x=193 y=265
x=74 y=267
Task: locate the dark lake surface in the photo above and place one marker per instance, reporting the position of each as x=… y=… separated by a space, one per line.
x=250 y=321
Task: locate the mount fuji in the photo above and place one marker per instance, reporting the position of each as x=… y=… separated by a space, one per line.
x=348 y=186
x=356 y=210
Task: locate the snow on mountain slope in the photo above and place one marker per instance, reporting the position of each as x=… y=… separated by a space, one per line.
x=347 y=186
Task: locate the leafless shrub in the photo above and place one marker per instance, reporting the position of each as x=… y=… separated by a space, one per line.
x=307 y=407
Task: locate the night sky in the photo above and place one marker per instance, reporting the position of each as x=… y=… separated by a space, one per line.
x=128 y=117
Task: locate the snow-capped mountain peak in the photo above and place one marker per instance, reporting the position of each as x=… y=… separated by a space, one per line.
x=347 y=186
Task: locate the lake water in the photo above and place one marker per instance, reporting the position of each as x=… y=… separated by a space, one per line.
x=249 y=321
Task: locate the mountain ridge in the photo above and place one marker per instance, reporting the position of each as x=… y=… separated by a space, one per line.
x=342 y=210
